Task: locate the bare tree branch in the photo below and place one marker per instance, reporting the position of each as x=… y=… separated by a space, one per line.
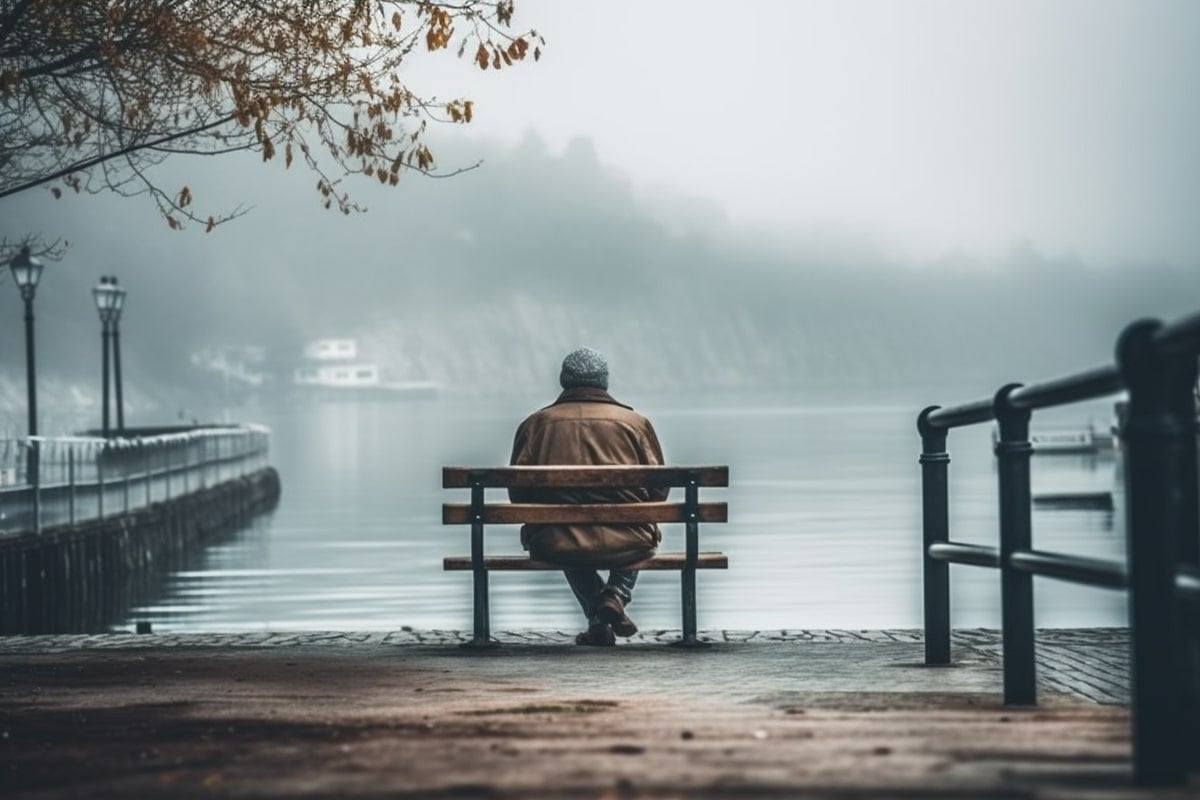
x=86 y=164
x=95 y=93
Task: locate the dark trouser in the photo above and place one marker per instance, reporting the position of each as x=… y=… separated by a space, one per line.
x=587 y=586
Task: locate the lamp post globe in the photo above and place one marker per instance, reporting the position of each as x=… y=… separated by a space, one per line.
x=118 y=302
x=104 y=293
x=26 y=272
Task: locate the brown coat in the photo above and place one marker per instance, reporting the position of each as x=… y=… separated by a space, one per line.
x=586 y=426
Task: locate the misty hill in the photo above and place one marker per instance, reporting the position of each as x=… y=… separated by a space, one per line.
x=483 y=281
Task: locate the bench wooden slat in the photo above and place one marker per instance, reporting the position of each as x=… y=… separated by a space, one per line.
x=577 y=477
x=662 y=561
x=581 y=513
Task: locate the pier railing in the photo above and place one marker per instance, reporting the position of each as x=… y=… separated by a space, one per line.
x=1157 y=365
x=72 y=479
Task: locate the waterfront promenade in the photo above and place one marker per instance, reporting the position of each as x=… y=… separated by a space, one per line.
x=411 y=714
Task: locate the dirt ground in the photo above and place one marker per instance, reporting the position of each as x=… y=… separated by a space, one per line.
x=541 y=721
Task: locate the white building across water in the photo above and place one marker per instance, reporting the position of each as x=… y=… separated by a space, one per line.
x=334 y=364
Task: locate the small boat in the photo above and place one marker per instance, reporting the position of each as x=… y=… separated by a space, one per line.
x=1068 y=441
x=331 y=370
x=1084 y=440
x=1101 y=499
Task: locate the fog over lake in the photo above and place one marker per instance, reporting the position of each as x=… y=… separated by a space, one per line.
x=481 y=281
x=787 y=241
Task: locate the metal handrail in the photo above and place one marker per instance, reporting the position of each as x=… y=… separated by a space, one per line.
x=80 y=471
x=175 y=469
x=1179 y=338
x=1157 y=365
x=1187 y=584
x=1076 y=569
x=1088 y=385
x=960 y=415
x=961 y=553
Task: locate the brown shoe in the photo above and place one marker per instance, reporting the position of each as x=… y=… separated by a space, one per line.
x=610 y=609
x=598 y=635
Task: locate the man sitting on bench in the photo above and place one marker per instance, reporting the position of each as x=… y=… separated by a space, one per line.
x=586 y=426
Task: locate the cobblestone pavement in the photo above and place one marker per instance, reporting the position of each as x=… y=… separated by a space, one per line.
x=1087 y=663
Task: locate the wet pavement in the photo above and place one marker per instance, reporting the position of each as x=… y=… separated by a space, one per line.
x=413 y=714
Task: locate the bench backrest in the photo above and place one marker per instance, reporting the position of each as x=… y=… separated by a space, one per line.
x=583 y=477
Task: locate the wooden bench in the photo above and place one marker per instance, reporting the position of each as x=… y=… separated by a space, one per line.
x=479 y=513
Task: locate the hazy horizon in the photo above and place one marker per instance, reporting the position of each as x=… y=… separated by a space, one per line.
x=856 y=194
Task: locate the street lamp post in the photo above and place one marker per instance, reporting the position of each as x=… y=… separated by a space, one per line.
x=118 y=305
x=105 y=295
x=27 y=271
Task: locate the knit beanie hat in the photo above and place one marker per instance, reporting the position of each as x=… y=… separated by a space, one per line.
x=584 y=367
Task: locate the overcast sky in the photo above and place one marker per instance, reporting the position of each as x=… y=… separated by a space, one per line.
x=940 y=131
x=936 y=125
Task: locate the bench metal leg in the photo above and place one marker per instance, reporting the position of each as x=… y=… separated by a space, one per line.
x=688 y=576
x=482 y=634
x=688 y=585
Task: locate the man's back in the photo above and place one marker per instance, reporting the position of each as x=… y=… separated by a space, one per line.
x=586 y=426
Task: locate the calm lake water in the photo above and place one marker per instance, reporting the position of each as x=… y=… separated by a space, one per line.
x=824 y=526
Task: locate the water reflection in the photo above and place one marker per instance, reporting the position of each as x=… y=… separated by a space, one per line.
x=824 y=524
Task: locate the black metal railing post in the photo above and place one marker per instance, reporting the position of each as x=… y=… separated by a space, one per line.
x=35 y=463
x=147 y=477
x=1016 y=586
x=71 y=484
x=935 y=519
x=481 y=636
x=1153 y=450
x=125 y=475
x=100 y=487
x=1184 y=409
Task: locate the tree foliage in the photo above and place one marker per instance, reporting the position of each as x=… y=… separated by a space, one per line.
x=97 y=92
